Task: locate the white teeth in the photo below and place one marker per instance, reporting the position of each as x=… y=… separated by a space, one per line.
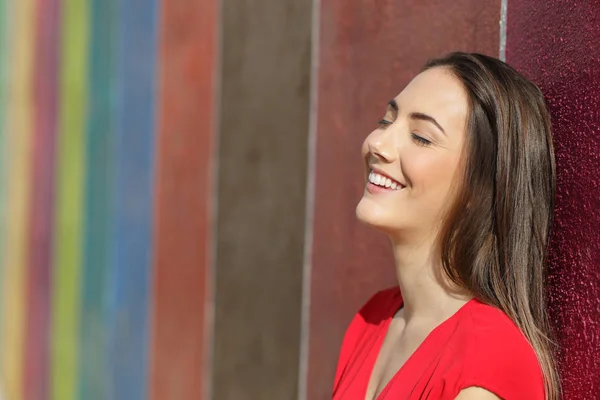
x=383 y=181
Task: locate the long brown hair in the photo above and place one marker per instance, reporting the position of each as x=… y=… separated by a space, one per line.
x=495 y=237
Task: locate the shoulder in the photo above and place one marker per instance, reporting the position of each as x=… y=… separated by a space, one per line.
x=499 y=357
x=497 y=338
x=377 y=309
x=365 y=324
x=476 y=393
x=381 y=303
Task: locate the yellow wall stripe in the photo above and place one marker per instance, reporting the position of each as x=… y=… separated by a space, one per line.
x=18 y=131
x=5 y=25
x=69 y=201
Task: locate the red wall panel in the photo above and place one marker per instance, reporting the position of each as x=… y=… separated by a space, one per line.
x=368 y=51
x=556 y=43
x=185 y=142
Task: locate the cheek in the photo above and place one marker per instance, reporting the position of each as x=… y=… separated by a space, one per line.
x=431 y=174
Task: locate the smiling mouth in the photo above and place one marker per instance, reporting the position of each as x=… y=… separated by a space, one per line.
x=384 y=181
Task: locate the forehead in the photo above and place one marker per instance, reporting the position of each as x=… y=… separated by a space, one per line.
x=438 y=93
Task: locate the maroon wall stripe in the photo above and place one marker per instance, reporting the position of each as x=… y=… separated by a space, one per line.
x=40 y=238
x=185 y=142
x=368 y=53
x=556 y=43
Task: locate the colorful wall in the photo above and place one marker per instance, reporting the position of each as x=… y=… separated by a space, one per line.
x=178 y=182
x=107 y=124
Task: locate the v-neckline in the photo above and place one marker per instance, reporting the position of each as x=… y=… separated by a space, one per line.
x=394 y=309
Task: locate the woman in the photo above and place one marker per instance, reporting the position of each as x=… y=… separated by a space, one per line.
x=460 y=176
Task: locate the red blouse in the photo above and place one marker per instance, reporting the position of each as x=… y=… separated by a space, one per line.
x=477 y=346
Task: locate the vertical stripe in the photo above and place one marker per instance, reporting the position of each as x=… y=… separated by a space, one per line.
x=132 y=198
x=212 y=210
x=4 y=29
x=188 y=51
x=94 y=350
x=503 y=12
x=44 y=131
x=18 y=140
x=263 y=131
x=69 y=199
x=310 y=202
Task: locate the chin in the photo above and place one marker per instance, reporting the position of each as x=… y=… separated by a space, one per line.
x=374 y=215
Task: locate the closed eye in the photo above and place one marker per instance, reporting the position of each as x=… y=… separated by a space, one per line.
x=383 y=123
x=421 y=141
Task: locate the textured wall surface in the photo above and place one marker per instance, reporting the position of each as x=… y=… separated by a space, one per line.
x=556 y=43
x=368 y=53
x=261 y=193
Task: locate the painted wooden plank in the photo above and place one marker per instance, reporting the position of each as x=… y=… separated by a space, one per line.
x=70 y=173
x=19 y=113
x=354 y=73
x=41 y=211
x=187 y=62
x=94 y=350
x=132 y=198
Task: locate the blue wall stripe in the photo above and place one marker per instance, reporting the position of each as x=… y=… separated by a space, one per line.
x=94 y=346
x=133 y=226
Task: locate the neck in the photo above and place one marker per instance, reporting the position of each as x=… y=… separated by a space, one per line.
x=426 y=291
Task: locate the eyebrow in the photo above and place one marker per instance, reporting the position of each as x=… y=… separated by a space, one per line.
x=417 y=115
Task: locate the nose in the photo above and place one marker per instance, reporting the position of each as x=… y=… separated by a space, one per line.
x=380 y=146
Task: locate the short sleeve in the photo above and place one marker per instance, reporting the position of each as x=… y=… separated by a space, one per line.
x=505 y=364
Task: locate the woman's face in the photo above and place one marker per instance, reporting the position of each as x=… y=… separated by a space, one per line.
x=412 y=157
